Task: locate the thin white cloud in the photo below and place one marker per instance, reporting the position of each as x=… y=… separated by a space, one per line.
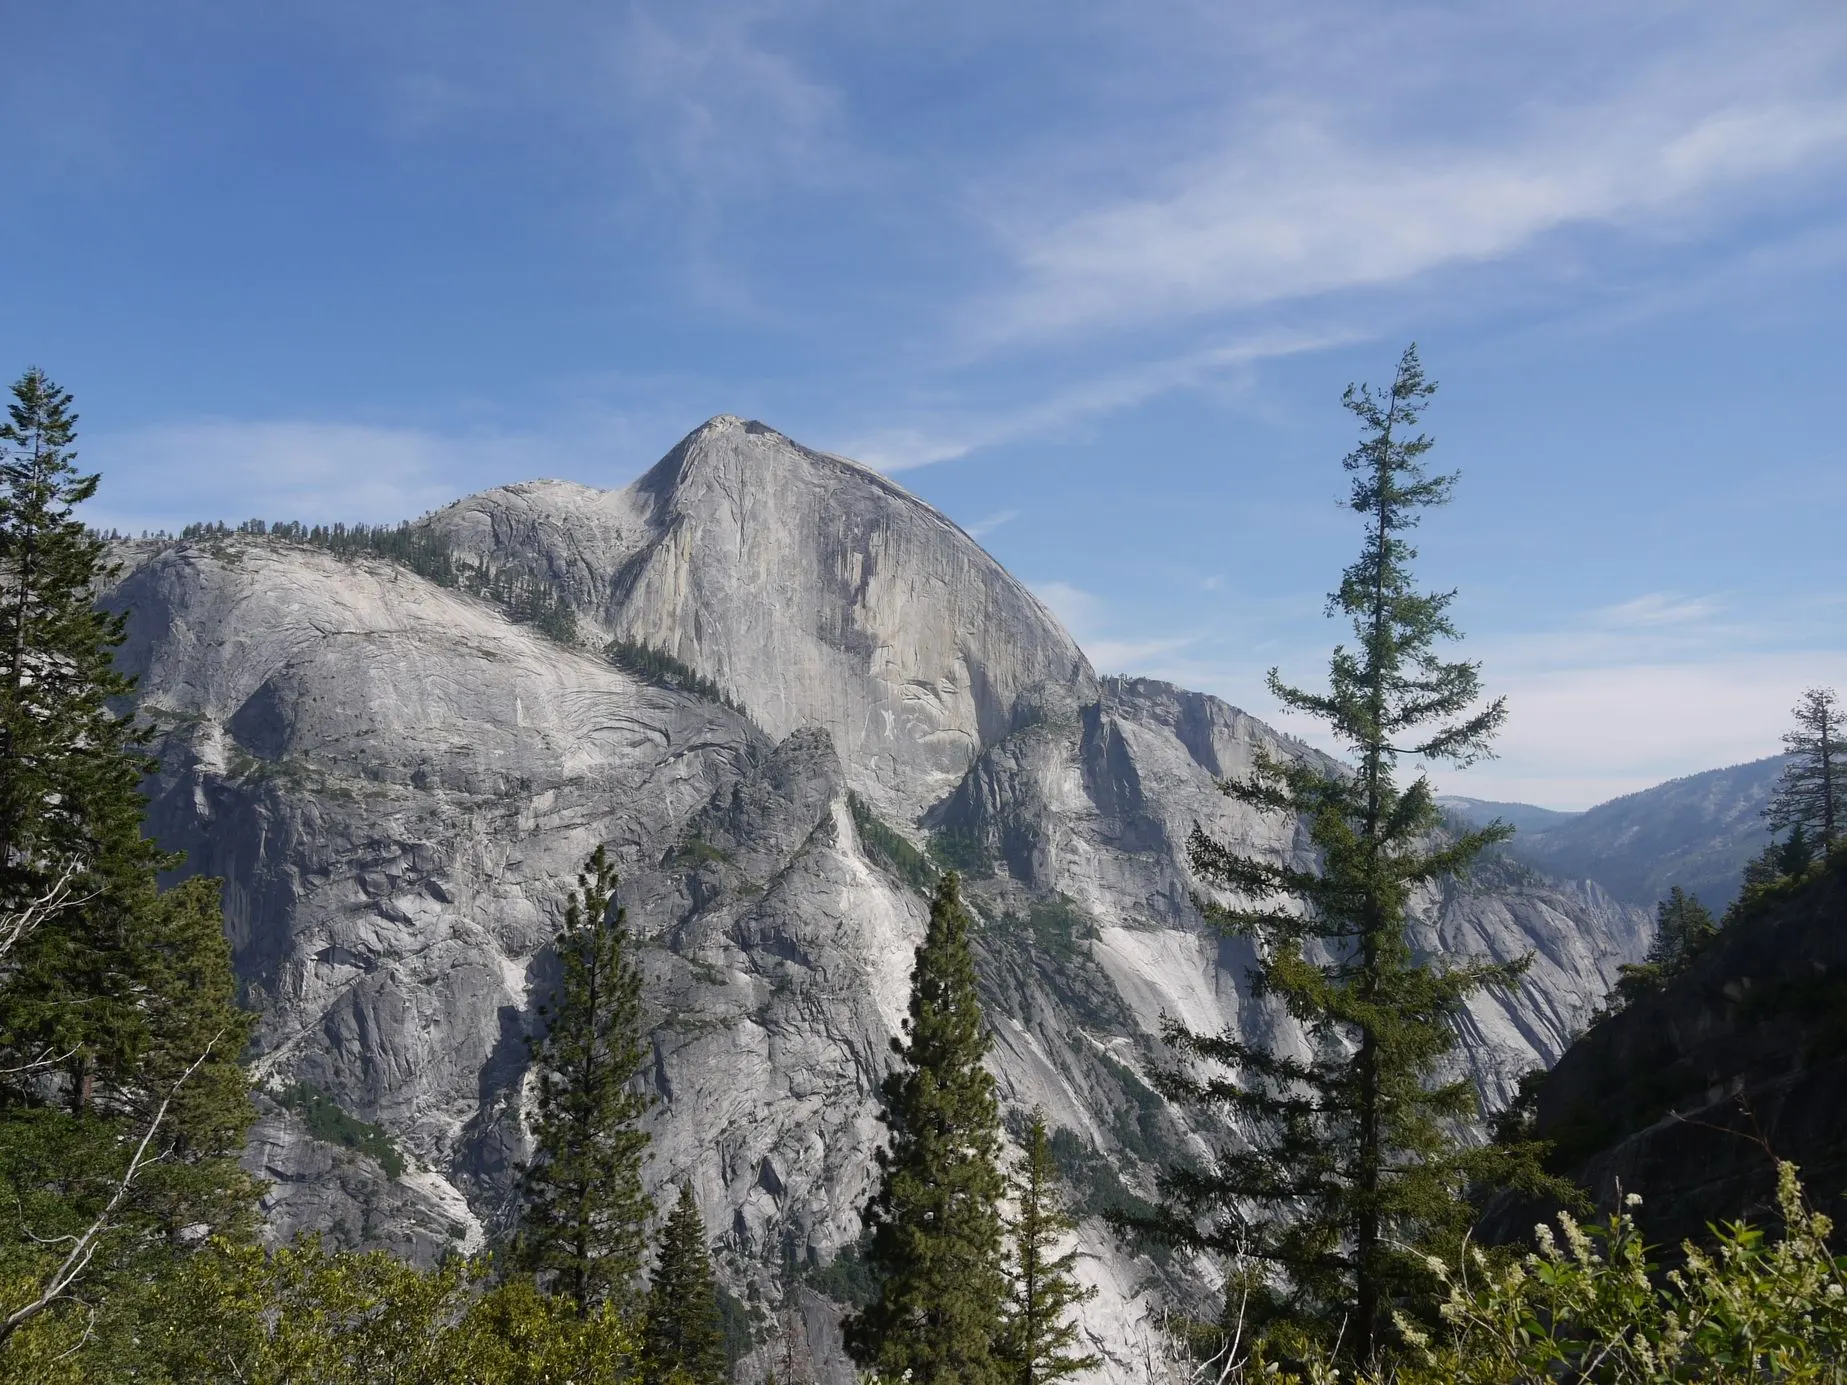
x=952 y=434
x=1658 y=608
x=1088 y=618
x=1587 y=721
x=1312 y=192
x=1131 y=656
x=282 y=470
x=1077 y=610
x=981 y=528
x=705 y=97
x=1576 y=737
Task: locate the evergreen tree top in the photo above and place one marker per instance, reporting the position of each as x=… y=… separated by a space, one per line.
x=1349 y=1149
x=584 y=1223
x=682 y=1338
x=935 y=1247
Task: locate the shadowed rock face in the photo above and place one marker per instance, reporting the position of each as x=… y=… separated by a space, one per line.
x=1689 y=1095
x=398 y=786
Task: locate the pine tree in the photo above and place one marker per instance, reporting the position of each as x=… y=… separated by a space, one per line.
x=70 y=805
x=68 y=776
x=1683 y=927
x=683 y=1340
x=1765 y=868
x=1353 y=1156
x=1037 y=1337
x=119 y=1030
x=1797 y=854
x=936 y=1235
x=1812 y=790
x=584 y=1222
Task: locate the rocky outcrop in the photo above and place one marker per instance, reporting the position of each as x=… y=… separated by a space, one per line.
x=1689 y=1095
x=398 y=785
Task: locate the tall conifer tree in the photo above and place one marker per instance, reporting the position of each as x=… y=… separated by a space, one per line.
x=1812 y=790
x=683 y=1341
x=935 y=1220
x=119 y=1030
x=1683 y=927
x=69 y=769
x=1352 y=1157
x=68 y=774
x=584 y=1223
x=1038 y=1338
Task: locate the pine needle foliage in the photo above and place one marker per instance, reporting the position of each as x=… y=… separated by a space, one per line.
x=1352 y=1152
x=935 y=1247
x=332 y=1124
x=584 y=1221
x=119 y=1030
x=657 y=666
x=890 y=847
x=1811 y=793
x=70 y=767
x=683 y=1338
x=1684 y=928
x=1038 y=1338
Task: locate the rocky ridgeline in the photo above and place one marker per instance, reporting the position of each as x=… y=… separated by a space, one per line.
x=398 y=783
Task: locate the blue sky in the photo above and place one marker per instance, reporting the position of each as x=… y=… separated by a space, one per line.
x=1088 y=276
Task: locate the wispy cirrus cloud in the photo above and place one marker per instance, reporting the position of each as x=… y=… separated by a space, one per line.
x=1311 y=190
x=1093 y=624
x=1658 y=608
x=946 y=434
x=1589 y=719
x=987 y=524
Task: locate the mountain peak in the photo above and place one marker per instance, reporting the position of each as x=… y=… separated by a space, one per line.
x=750 y=449
x=810 y=587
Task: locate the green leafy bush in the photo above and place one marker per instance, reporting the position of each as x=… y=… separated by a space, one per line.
x=1588 y=1306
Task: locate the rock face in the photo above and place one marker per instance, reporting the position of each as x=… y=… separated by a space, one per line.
x=397 y=785
x=1685 y=1096
x=811 y=588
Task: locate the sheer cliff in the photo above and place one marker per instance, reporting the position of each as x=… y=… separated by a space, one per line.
x=397 y=783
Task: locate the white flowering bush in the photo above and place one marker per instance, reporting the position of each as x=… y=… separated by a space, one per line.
x=1585 y=1307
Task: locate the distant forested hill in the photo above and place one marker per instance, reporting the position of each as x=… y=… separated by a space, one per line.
x=1525 y=818
x=1695 y=832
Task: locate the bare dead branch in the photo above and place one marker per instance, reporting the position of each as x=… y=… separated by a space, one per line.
x=84 y=1250
x=19 y=924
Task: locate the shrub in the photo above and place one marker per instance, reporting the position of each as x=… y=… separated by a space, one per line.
x=1588 y=1305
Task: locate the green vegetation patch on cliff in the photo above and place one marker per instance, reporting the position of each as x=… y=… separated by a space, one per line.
x=890 y=848
x=330 y=1123
x=662 y=669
